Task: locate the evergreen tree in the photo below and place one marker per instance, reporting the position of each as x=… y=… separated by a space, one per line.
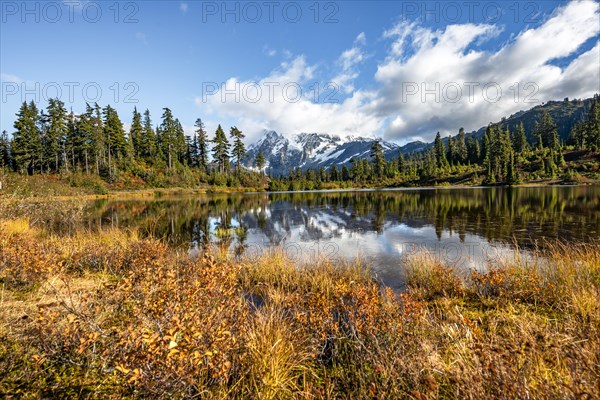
x=592 y=131
x=334 y=174
x=5 y=156
x=430 y=163
x=86 y=136
x=100 y=146
x=440 y=152
x=221 y=150
x=181 y=147
x=148 y=140
x=202 y=145
x=511 y=174
x=168 y=137
x=462 y=155
x=189 y=150
x=546 y=133
x=345 y=173
x=55 y=133
x=473 y=150
x=578 y=135
x=260 y=161
x=27 y=147
x=322 y=176
x=401 y=163
x=114 y=135
x=194 y=151
x=488 y=154
x=519 y=140
x=451 y=154
x=136 y=134
x=239 y=150
x=72 y=142
x=378 y=159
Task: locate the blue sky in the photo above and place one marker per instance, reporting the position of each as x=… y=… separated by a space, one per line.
x=371 y=63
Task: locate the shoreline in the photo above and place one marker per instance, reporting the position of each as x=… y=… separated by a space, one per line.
x=181 y=191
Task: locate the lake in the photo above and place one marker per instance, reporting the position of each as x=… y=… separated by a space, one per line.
x=461 y=226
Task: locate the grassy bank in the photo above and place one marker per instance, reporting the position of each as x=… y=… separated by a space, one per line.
x=69 y=185
x=112 y=315
x=91 y=187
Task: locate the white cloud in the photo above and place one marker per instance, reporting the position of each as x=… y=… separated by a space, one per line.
x=269 y=51
x=283 y=110
x=421 y=58
x=183 y=7
x=361 y=39
x=348 y=61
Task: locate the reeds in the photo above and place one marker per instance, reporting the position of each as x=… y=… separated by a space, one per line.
x=108 y=314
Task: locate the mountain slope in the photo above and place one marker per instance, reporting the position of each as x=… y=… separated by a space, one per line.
x=316 y=150
x=309 y=150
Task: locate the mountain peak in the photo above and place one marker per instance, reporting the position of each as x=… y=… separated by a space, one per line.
x=311 y=150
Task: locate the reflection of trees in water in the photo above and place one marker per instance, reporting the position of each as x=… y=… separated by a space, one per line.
x=524 y=214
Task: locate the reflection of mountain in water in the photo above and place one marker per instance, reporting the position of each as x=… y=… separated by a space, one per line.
x=378 y=225
x=495 y=214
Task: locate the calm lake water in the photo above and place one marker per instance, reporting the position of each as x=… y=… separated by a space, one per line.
x=461 y=226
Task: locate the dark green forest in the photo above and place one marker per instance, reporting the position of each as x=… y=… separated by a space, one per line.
x=95 y=145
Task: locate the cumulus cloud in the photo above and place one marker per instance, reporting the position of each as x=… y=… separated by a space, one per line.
x=438 y=81
x=279 y=102
x=430 y=80
x=348 y=61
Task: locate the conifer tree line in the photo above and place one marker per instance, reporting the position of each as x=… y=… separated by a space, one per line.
x=96 y=142
x=504 y=155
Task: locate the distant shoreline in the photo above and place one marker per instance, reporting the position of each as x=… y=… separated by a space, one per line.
x=216 y=190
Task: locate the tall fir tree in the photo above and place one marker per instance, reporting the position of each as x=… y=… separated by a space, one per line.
x=238 y=150
x=378 y=158
x=260 y=161
x=148 y=139
x=55 y=133
x=27 y=146
x=5 y=151
x=473 y=150
x=592 y=128
x=440 y=152
x=519 y=140
x=461 y=147
x=221 y=150
x=136 y=134
x=202 y=145
x=114 y=135
x=168 y=133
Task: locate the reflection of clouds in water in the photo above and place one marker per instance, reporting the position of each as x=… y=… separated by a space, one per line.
x=460 y=227
x=324 y=235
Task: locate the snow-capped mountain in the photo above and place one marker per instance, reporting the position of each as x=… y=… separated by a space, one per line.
x=311 y=150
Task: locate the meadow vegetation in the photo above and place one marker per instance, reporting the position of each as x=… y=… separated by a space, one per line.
x=110 y=314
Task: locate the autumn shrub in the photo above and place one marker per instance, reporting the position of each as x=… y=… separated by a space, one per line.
x=108 y=314
x=430 y=278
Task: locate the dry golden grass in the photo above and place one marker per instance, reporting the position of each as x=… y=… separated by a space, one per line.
x=110 y=315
